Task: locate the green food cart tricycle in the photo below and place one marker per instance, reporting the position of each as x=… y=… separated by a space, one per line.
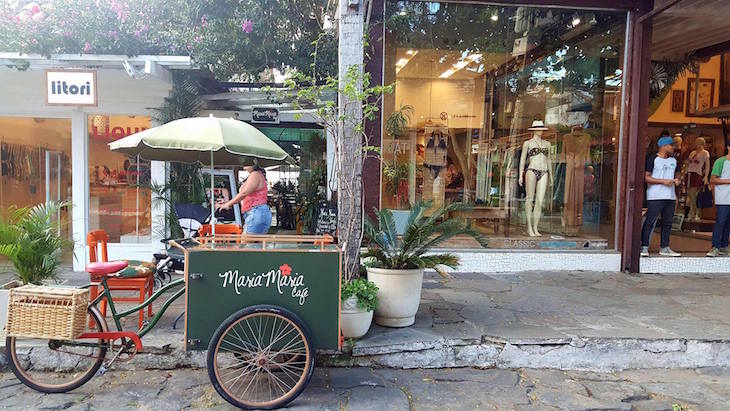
x=260 y=305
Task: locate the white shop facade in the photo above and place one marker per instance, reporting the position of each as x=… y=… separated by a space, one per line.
x=57 y=115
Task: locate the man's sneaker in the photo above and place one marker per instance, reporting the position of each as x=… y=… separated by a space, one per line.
x=644 y=251
x=714 y=252
x=724 y=251
x=667 y=252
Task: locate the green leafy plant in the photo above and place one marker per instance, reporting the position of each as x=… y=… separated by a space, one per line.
x=397 y=122
x=30 y=238
x=365 y=291
x=423 y=233
x=310 y=198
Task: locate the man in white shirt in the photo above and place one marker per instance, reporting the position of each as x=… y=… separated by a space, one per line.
x=721 y=181
x=662 y=176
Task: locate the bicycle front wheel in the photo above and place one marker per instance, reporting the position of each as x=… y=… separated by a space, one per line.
x=51 y=366
x=261 y=357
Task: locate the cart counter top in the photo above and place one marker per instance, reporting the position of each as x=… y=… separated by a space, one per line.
x=268 y=246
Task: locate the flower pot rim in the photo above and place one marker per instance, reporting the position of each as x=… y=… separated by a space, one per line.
x=395 y=271
x=11 y=284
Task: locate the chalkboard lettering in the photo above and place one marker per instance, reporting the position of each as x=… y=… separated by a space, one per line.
x=280 y=279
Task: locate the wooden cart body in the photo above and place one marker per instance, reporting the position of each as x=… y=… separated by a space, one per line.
x=294 y=272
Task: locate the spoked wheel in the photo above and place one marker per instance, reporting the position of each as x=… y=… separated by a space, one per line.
x=51 y=366
x=261 y=357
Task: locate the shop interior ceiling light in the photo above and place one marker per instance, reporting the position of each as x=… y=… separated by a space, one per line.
x=494 y=17
x=404 y=60
x=460 y=65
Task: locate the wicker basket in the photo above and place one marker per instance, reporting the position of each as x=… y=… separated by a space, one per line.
x=47 y=312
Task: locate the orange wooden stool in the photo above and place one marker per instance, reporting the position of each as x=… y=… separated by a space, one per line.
x=138 y=276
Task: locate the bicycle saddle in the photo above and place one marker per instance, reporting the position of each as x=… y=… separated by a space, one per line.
x=100 y=269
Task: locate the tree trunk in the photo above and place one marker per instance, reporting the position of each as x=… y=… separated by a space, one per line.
x=349 y=138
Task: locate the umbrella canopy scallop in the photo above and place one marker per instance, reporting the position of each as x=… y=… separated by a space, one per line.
x=190 y=140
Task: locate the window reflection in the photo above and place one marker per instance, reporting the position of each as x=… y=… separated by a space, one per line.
x=514 y=110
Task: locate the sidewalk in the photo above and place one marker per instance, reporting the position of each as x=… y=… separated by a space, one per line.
x=564 y=320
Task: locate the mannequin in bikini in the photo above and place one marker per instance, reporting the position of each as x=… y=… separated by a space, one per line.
x=535 y=175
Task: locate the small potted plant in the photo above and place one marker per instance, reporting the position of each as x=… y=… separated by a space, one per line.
x=30 y=239
x=397 y=262
x=359 y=299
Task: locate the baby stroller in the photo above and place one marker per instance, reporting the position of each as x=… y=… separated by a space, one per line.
x=171 y=260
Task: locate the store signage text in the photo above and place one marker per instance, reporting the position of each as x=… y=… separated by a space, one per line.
x=265 y=115
x=71 y=87
x=114 y=133
x=280 y=279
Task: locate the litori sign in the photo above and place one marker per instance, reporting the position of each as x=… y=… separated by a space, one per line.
x=71 y=87
x=265 y=115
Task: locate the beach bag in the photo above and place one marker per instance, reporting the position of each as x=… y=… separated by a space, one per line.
x=704 y=198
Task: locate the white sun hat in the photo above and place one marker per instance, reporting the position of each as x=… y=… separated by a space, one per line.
x=537 y=125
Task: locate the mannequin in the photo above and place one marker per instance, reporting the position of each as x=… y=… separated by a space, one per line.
x=535 y=175
x=698 y=172
x=509 y=170
x=576 y=149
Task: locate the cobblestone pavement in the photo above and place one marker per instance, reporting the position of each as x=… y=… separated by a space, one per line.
x=387 y=389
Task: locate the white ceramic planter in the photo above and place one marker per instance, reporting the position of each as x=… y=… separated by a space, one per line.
x=399 y=295
x=4 y=294
x=354 y=321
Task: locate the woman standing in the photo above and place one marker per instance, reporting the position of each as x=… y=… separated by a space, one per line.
x=698 y=172
x=253 y=196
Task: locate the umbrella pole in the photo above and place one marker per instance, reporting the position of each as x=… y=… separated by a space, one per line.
x=212 y=196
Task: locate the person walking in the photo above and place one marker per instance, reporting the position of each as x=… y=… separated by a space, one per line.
x=720 y=179
x=662 y=176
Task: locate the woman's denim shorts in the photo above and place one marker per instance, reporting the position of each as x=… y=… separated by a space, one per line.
x=257 y=220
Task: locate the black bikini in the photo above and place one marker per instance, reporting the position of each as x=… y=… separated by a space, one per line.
x=539 y=174
x=436 y=169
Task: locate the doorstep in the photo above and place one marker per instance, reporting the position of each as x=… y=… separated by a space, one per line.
x=510 y=261
x=698 y=264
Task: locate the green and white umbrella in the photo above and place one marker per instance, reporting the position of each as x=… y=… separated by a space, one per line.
x=206 y=140
x=209 y=141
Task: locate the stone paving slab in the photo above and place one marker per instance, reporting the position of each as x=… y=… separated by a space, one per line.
x=564 y=320
x=356 y=389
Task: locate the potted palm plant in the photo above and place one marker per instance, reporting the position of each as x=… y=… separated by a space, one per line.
x=396 y=263
x=30 y=239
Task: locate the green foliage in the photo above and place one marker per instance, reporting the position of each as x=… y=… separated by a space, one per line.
x=30 y=239
x=397 y=122
x=423 y=233
x=393 y=175
x=310 y=198
x=365 y=291
x=185 y=184
x=235 y=39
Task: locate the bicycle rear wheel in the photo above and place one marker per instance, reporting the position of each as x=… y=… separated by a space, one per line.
x=261 y=357
x=49 y=366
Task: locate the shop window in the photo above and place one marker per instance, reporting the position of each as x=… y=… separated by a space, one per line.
x=35 y=156
x=120 y=198
x=471 y=80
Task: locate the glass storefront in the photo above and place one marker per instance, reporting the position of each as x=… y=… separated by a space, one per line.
x=119 y=195
x=513 y=110
x=36 y=164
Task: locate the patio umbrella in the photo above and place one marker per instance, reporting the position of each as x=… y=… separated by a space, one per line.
x=206 y=140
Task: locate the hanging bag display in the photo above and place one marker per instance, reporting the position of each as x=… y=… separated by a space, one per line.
x=704 y=198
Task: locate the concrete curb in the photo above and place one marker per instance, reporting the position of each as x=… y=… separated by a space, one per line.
x=591 y=354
